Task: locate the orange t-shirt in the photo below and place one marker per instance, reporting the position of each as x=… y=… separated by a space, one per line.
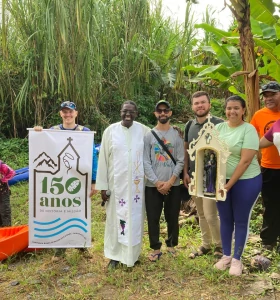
x=263 y=120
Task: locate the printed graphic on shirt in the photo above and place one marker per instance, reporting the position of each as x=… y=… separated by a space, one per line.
x=268 y=126
x=160 y=153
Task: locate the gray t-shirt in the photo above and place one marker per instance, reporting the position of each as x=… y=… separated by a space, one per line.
x=157 y=163
x=191 y=133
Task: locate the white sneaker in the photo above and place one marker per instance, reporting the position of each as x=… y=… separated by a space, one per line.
x=236 y=267
x=223 y=263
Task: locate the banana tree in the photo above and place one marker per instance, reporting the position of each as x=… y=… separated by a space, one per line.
x=241 y=11
x=256 y=38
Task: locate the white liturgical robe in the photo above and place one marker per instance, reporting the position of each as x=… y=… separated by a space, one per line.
x=120 y=170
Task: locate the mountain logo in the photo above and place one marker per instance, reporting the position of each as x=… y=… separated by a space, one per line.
x=43 y=160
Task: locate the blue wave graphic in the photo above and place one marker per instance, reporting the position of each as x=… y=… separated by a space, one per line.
x=47 y=223
x=57 y=233
x=62 y=224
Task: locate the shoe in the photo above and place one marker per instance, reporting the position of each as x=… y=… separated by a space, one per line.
x=171 y=251
x=218 y=252
x=268 y=247
x=200 y=252
x=84 y=252
x=236 y=267
x=59 y=254
x=57 y=258
x=223 y=263
x=113 y=264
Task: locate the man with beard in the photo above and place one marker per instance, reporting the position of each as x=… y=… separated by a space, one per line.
x=206 y=208
x=162 y=172
x=120 y=177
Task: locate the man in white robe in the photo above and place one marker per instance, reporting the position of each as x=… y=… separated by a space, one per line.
x=120 y=178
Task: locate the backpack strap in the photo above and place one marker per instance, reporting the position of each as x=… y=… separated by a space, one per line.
x=79 y=128
x=188 y=126
x=163 y=146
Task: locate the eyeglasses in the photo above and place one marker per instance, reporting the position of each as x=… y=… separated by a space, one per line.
x=271 y=85
x=131 y=112
x=68 y=104
x=165 y=110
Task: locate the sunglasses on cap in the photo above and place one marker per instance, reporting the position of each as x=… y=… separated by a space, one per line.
x=271 y=86
x=164 y=110
x=68 y=104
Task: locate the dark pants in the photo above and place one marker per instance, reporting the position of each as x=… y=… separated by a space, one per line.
x=5 y=209
x=171 y=203
x=271 y=203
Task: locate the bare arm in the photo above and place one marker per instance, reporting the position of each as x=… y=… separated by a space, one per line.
x=264 y=143
x=247 y=156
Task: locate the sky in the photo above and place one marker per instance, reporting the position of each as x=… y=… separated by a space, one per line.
x=176 y=9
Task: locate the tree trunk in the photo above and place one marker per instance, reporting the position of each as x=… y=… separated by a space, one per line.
x=241 y=11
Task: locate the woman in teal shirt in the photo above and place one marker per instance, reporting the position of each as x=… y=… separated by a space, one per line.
x=243 y=183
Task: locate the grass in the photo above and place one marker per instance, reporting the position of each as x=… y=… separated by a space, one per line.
x=34 y=276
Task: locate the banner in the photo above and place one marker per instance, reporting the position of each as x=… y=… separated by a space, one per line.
x=60 y=168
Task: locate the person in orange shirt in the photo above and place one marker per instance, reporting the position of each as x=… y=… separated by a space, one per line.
x=270 y=165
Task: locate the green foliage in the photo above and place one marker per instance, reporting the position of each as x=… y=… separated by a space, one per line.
x=223 y=48
x=85 y=278
x=146 y=107
x=218 y=108
x=14 y=152
x=88 y=278
x=95 y=53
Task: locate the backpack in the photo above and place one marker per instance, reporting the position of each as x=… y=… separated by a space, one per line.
x=78 y=127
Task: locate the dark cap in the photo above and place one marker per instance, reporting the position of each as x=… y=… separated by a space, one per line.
x=163 y=102
x=272 y=86
x=68 y=104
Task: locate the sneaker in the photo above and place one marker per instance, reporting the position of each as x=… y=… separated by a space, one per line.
x=268 y=247
x=236 y=267
x=84 y=252
x=113 y=264
x=223 y=263
x=59 y=254
x=218 y=252
x=58 y=258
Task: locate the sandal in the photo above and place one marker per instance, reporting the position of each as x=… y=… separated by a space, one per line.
x=153 y=257
x=171 y=251
x=200 y=252
x=218 y=252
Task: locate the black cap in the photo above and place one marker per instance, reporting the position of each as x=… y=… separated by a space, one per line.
x=163 y=102
x=272 y=86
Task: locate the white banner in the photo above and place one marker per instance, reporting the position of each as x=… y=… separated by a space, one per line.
x=60 y=168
